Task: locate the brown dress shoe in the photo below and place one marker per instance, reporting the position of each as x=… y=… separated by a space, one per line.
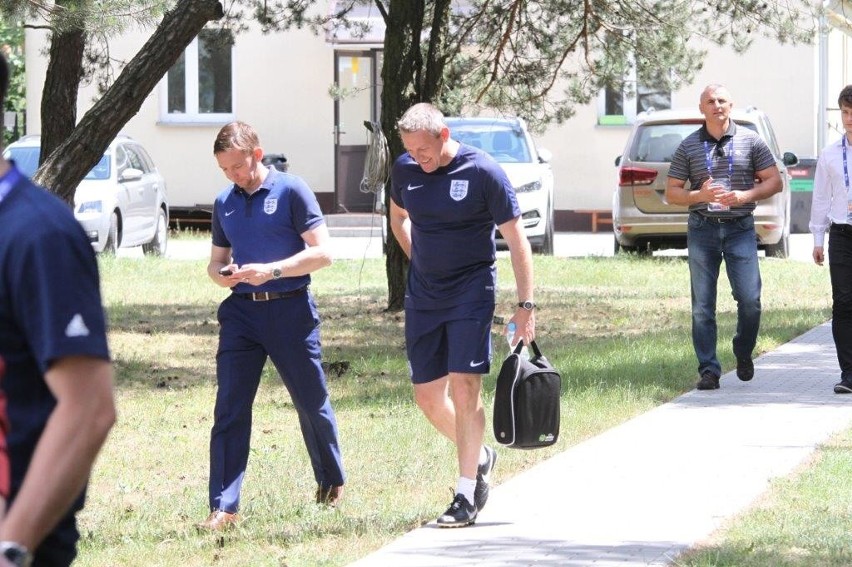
x=329 y=496
x=218 y=520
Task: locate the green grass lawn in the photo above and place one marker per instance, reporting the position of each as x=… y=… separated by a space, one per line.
x=617 y=328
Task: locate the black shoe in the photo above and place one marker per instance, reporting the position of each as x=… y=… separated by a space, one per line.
x=708 y=381
x=460 y=513
x=745 y=369
x=843 y=387
x=483 y=477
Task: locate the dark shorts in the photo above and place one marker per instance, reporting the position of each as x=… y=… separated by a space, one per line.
x=440 y=341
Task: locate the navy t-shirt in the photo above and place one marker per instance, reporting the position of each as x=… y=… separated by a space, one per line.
x=454 y=212
x=267 y=225
x=50 y=308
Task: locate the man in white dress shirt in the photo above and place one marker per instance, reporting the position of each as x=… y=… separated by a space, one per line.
x=831 y=210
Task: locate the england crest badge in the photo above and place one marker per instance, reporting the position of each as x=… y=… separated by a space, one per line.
x=458 y=189
x=270 y=205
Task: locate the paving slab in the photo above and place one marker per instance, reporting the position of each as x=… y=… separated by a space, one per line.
x=645 y=491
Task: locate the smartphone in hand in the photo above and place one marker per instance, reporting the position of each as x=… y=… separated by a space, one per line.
x=225 y=272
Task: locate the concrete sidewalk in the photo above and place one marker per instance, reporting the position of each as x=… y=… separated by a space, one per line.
x=647 y=490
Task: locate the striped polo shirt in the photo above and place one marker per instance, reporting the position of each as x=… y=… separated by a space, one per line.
x=737 y=155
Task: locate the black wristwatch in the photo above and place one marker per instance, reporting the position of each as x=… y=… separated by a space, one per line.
x=16 y=553
x=528 y=305
x=276 y=273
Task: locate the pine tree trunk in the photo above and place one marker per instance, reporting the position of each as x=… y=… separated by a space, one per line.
x=61 y=85
x=65 y=167
x=408 y=79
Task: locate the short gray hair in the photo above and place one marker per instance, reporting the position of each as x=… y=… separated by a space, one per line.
x=422 y=116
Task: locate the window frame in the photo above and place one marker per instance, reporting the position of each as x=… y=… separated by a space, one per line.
x=628 y=104
x=192 y=85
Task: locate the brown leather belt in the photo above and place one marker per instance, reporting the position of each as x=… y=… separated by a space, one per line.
x=269 y=295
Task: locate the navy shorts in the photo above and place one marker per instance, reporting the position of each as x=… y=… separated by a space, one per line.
x=456 y=339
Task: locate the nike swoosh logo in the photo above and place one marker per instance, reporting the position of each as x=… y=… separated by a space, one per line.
x=413 y=187
x=474 y=364
x=229 y=213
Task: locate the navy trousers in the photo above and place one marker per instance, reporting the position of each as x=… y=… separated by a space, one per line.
x=287 y=331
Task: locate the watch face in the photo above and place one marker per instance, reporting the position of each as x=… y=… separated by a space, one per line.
x=16 y=554
x=276 y=273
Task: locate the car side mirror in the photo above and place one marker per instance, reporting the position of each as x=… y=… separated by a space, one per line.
x=544 y=156
x=130 y=174
x=790 y=158
x=617 y=161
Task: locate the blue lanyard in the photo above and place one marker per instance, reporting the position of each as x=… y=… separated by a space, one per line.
x=730 y=147
x=8 y=181
x=845 y=171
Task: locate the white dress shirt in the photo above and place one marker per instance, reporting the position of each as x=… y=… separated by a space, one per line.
x=830 y=198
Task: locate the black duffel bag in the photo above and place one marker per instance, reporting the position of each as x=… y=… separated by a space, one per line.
x=526 y=401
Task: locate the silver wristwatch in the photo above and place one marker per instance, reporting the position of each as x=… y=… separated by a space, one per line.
x=16 y=553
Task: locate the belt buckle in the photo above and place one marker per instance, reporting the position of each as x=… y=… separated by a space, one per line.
x=260 y=296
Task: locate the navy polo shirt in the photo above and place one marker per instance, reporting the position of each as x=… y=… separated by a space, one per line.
x=267 y=225
x=453 y=212
x=50 y=308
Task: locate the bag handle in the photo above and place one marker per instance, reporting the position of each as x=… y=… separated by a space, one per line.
x=520 y=346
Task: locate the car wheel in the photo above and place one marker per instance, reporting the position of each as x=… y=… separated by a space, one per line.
x=112 y=241
x=621 y=249
x=157 y=246
x=780 y=250
x=546 y=247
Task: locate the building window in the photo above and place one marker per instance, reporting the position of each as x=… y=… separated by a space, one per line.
x=199 y=86
x=620 y=105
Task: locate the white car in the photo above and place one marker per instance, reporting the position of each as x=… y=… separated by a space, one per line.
x=121 y=202
x=528 y=169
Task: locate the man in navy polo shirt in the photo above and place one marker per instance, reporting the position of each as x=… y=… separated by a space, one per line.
x=446 y=199
x=269 y=235
x=721 y=161
x=59 y=375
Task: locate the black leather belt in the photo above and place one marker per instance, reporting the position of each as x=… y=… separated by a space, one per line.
x=269 y=295
x=723 y=220
x=841 y=227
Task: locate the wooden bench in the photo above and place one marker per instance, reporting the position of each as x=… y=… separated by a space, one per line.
x=597 y=217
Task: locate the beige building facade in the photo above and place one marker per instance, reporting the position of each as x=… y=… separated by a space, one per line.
x=281 y=84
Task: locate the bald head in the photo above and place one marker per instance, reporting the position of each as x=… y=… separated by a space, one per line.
x=716 y=107
x=715 y=90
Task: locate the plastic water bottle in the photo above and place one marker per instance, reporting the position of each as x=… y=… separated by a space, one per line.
x=510 y=337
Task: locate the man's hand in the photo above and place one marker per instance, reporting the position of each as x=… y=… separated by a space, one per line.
x=819 y=255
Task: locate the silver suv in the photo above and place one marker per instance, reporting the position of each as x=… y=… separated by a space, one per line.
x=643 y=221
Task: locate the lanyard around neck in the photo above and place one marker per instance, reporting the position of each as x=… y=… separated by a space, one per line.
x=708 y=153
x=845 y=170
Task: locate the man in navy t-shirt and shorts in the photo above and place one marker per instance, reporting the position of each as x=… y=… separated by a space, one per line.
x=269 y=235
x=446 y=199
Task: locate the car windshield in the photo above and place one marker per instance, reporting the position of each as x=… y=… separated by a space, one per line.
x=26 y=159
x=505 y=144
x=658 y=142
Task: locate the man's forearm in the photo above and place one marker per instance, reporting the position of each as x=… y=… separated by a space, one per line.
x=62 y=461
